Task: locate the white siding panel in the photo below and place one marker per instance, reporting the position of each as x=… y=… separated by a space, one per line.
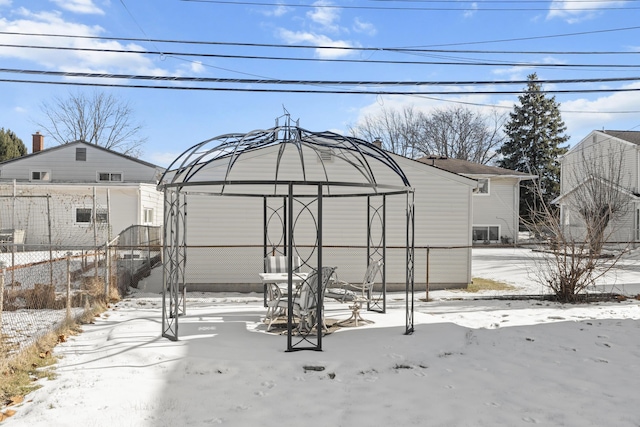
x=442 y=219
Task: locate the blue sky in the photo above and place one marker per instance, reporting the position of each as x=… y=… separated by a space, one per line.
x=481 y=41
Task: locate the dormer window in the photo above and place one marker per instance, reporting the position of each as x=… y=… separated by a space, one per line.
x=110 y=176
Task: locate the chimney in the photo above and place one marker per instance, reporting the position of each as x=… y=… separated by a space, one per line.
x=38 y=142
x=377 y=143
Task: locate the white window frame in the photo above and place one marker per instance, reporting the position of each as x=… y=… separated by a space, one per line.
x=488 y=186
x=102 y=216
x=46 y=173
x=148 y=214
x=487 y=227
x=111 y=177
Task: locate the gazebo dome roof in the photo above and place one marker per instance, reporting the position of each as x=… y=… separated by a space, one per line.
x=265 y=162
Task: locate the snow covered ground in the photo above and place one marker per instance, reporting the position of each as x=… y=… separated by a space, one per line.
x=470 y=362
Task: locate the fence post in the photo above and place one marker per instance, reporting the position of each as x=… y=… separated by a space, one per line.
x=1 y=296
x=107 y=268
x=428 y=256
x=68 y=288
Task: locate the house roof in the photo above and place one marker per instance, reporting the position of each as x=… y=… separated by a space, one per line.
x=69 y=144
x=633 y=195
x=627 y=135
x=464 y=167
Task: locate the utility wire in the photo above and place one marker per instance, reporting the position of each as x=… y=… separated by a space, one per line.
x=315 y=82
x=417 y=49
x=410 y=8
x=470 y=62
x=315 y=91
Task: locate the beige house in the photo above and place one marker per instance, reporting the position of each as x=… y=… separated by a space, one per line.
x=496 y=199
x=613 y=159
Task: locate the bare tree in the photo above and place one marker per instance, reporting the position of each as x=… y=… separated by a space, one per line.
x=456 y=133
x=398 y=131
x=591 y=217
x=599 y=197
x=98 y=118
x=461 y=133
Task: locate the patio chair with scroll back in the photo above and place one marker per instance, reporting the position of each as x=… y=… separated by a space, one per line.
x=357 y=293
x=305 y=300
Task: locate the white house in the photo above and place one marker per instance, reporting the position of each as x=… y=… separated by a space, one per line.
x=496 y=202
x=77 y=194
x=613 y=158
x=225 y=234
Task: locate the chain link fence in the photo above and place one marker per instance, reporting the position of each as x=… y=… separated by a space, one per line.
x=44 y=287
x=229 y=268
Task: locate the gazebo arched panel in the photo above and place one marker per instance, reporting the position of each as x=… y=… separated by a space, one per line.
x=296 y=173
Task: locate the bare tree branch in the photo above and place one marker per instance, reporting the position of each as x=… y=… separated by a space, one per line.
x=98 y=118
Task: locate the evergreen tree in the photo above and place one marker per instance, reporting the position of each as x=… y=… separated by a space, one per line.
x=534 y=133
x=10 y=145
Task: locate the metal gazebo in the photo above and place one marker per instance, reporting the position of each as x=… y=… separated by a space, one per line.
x=293 y=170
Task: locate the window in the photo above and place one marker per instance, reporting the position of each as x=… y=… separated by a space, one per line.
x=81 y=154
x=40 y=176
x=486 y=233
x=483 y=186
x=147 y=216
x=102 y=216
x=110 y=176
x=84 y=216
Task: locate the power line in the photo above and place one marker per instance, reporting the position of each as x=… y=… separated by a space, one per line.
x=315 y=82
x=504 y=107
x=418 y=49
x=410 y=8
x=284 y=58
x=314 y=91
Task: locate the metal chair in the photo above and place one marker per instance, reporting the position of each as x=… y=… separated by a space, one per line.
x=359 y=293
x=305 y=300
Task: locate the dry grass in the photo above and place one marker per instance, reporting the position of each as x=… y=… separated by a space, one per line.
x=479 y=284
x=19 y=373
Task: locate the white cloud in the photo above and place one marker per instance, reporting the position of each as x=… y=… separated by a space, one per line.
x=86 y=7
x=277 y=11
x=326 y=17
x=364 y=27
x=296 y=37
x=5 y=2
x=574 y=12
x=471 y=11
x=197 y=67
x=53 y=23
x=607 y=111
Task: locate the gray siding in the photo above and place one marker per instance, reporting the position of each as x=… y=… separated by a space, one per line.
x=62 y=165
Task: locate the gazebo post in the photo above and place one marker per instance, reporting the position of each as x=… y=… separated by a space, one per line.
x=410 y=252
x=321 y=157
